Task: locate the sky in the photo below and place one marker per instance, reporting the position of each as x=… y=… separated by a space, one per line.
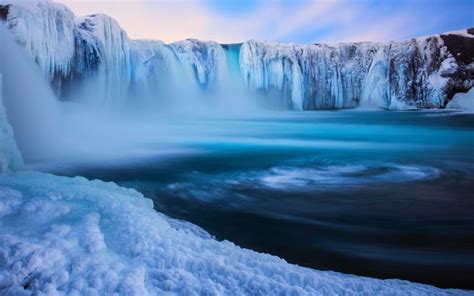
x=302 y=21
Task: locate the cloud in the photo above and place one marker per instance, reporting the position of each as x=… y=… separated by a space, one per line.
x=171 y=21
x=277 y=20
x=164 y=20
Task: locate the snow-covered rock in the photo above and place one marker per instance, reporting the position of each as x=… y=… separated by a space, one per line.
x=462 y=101
x=414 y=73
x=94 y=238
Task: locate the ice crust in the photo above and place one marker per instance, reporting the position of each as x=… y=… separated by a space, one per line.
x=95 y=238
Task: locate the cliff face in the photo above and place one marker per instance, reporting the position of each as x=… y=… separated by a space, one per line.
x=461 y=46
x=419 y=73
x=96 y=57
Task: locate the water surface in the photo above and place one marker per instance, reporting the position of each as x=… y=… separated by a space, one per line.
x=381 y=194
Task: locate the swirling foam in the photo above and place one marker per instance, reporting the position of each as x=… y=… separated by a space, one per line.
x=345 y=175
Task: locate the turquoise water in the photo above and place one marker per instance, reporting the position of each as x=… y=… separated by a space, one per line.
x=381 y=194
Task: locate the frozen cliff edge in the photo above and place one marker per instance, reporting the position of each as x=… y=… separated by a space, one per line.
x=96 y=53
x=419 y=73
x=92 y=237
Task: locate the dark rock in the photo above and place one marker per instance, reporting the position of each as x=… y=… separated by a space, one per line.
x=4 y=12
x=462 y=49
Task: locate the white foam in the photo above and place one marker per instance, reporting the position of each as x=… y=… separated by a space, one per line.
x=341 y=176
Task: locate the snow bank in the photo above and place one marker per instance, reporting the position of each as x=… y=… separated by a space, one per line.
x=90 y=237
x=463 y=101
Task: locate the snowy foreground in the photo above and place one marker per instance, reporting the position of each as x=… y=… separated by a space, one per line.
x=72 y=236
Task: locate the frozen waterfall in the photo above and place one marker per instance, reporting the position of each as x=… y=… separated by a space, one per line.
x=92 y=59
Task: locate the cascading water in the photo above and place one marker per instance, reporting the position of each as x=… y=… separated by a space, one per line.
x=99 y=84
x=30 y=105
x=100 y=64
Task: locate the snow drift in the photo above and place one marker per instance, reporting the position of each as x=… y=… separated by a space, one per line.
x=94 y=52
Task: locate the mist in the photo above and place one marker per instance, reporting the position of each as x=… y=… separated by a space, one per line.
x=86 y=126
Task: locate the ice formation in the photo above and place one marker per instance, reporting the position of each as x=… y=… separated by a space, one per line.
x=462 y=101
x=46 y=30
x=105 y=48
x=28 y=102
x=397 y=75
x=207 y=60
x=95 y=53
x=10 y=157
x=92 y=237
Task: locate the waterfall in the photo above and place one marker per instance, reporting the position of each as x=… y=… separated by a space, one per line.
x=31 y=107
